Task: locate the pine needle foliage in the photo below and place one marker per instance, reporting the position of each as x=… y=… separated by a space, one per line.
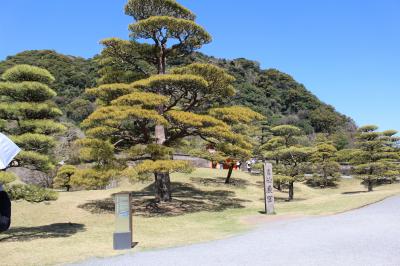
x=290 y=157
x=377 y=157
x=21 y=73
x=63 y=177
x=7 y=177
x=28 y=114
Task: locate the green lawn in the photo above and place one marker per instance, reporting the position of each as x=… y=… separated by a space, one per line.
x=80 y=224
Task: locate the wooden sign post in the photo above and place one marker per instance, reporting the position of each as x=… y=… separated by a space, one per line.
x=269 y=189
x=123 y=221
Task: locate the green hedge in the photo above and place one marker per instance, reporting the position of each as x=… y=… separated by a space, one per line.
x=31 y=193
x=7 y=177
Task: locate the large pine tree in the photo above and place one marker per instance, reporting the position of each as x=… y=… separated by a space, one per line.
x=146 y=120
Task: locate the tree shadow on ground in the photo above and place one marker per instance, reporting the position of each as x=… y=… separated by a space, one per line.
x=39 y=232
x=260 y=184
x=354 y=192
x=380 y=183
x=186 y=199
x=220 y=181
x=284 y=199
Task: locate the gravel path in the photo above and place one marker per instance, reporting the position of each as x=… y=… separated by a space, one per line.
x=367 y=236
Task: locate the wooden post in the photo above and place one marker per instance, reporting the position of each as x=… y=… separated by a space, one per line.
x=268 y=189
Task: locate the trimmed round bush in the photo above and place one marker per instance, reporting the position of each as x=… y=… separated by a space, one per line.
x=40 y=161
x=35 y=142
x=20 y=73
x=27 y=91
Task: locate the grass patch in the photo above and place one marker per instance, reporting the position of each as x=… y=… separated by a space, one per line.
x=80 y=224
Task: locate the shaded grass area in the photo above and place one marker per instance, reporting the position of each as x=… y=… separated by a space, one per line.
x=80 y=224
x=41 y=232
x=186 y=199
x=220 y=181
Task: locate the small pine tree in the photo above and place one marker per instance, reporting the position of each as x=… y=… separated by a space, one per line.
x=63 y=177
x=291 y=158
x=377 y=157
x=241 y=119
x=325 y=168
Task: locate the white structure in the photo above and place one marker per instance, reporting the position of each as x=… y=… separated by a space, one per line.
x=8 y=151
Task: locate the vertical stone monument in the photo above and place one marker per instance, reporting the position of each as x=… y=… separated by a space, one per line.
x=269 y=189
x=123 y=221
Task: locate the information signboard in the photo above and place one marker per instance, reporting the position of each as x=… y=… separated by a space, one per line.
x=123 y=220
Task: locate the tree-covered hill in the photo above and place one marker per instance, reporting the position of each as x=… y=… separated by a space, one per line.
x=72 y=74
x=279 y=96
x=271 y=92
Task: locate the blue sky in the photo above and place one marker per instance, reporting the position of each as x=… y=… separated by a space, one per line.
x=347 y=52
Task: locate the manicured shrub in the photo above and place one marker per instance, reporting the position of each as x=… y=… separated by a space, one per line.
x=20 y=73
x=63 y=177
x=31 y=193
x=27 y=91
x=35 y=142
x=6 y=177
x=47 y=127
x=319 y=181
x=40 y=161
x=92 y=178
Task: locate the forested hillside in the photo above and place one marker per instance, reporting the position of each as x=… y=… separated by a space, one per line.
x=72 y=74
x=281 y=98
x=273 y=93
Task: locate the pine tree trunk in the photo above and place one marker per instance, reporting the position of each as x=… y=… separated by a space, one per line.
x=370 y=187
x=291 y=190
x=68 y=183
x=162 y=183
x=162 y=187
x=325 y=176
x=325 y=181
x=278 y=186
x=228 y=177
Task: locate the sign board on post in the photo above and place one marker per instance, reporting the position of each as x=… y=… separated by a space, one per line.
x=269 y=189
x=123 y=221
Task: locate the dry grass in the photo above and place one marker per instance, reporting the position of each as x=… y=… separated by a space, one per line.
x=80 y=224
